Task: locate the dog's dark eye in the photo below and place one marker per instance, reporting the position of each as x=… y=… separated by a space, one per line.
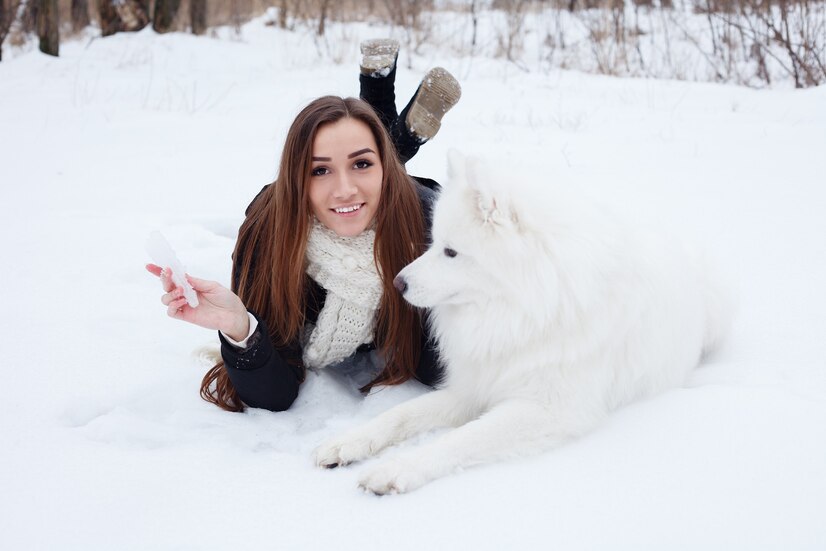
x=450 y=252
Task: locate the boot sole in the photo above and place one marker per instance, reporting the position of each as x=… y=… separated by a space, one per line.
x=378 y=56
x=438 y=93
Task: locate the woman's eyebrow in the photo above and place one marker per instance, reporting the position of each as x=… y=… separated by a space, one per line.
x=350 y=156
x=360 y=152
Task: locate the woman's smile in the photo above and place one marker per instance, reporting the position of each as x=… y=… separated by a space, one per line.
x=350 y=210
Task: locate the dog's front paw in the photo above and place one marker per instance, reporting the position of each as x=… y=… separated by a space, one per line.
x=343 y=451
x=394 y=476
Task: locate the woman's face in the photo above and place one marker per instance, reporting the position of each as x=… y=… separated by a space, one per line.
x=345 y=184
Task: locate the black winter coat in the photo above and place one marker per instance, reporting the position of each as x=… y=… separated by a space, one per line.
x=268 y=376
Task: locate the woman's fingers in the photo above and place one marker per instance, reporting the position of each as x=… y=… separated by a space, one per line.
x=164 y=273
x=218 y=299
x=175 y=294
x=202 y=285
x=176 y=303
x=174 y=307
x=173 y=299
x=166 y=279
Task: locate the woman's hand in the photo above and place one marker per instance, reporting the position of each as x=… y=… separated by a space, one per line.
x=218 y=308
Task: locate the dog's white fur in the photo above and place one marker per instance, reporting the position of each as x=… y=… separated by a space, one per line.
x=550 y=315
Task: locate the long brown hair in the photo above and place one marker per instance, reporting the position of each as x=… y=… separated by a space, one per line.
x=268 y=262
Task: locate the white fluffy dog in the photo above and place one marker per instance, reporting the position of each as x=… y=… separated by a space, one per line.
x=548 y=314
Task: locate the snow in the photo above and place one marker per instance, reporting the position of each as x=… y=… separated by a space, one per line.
x=106 y=443
x=163 y=255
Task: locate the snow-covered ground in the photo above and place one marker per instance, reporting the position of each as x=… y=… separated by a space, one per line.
x=106 y=444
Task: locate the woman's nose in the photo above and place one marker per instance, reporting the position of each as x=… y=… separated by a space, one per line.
x=345 y=187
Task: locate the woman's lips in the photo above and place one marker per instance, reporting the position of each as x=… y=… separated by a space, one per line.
x=348 y=210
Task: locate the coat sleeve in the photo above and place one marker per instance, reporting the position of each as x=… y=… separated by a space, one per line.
x=260 y=373
x=263 y=375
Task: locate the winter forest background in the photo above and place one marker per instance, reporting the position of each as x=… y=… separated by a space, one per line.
x=751 y=42
x=703 y=118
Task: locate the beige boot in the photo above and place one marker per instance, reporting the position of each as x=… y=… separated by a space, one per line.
x=437 y=93
x=378 y=56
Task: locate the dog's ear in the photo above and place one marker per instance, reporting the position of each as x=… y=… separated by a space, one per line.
x=496 y=211
x=494 y=204
x=473 y=175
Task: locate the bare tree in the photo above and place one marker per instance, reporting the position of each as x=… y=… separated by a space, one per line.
x=27 y=20
x=240 y=11
x=750 y=37
x=8 y=15
x=47 y=27
x=109 y=18
x=511 y=39
x=198 y=16
x=282 y=14
x=4 y=29
x=324 y=6
x=409 y=16
x=133 y=13
x=794 y=28
x=164 y=16
x=122 y=15
x=80 y=15
x=474 y=17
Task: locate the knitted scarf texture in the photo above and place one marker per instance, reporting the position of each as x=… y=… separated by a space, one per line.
x=345 y=268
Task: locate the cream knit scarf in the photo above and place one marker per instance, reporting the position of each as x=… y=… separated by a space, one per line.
x=344 y=267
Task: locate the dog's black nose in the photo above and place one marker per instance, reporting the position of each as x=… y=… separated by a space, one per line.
x=400 y=284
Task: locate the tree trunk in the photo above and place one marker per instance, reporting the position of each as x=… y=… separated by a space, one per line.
x=198 y=16
x=80 y=14
x=10 y=12
x=282 y=14
x=122 y=15
x=28 y=19
x=164 y=18
x=474 y=15
x=109 y=18
x=3 y=27
x=47 y=27
x=134 y=14
x=322 y=18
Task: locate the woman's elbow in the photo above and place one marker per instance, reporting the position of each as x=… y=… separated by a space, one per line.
x=275 y=401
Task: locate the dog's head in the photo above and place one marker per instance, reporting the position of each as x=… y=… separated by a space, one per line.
x=486 y=245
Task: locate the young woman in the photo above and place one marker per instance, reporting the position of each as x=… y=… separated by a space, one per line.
x=313 y=267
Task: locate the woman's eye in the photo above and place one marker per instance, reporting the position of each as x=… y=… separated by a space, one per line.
x=450 y=252
x=362 y=164
x=320 y=171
